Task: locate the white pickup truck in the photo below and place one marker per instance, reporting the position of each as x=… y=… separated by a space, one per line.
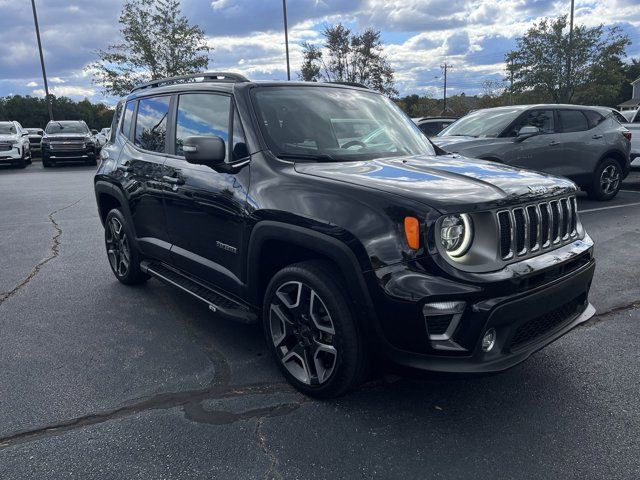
x=633 y=124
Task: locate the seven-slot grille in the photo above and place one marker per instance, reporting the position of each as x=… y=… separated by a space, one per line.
x=532 y=228
x=66 y=145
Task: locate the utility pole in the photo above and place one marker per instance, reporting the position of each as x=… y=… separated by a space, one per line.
x=44 y=73
x=286 y=36
x=570 y=52
x=445 y=67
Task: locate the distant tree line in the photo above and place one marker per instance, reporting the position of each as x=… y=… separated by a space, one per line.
x=32 y=111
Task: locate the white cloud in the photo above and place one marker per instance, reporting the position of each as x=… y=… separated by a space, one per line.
x=32 y=84
x=68 y=91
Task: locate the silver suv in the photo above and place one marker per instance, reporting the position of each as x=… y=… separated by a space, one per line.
x=585 y=144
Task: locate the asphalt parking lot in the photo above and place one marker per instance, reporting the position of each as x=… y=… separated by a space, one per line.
x=99 y=380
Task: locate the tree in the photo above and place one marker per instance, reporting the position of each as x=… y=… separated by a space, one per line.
x=157 y=42
x=349 y=57
x=541 y=61
x=32 y=111
x=631 y=72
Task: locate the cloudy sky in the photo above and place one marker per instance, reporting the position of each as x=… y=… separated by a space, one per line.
x=247 y=37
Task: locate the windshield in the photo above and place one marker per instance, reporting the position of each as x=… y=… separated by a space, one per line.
x=483 y=123
x=7 y=128
x=335 y=124
x=35 y=131
x=67 y=127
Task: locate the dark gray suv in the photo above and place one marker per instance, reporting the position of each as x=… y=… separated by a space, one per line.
x=585 y=144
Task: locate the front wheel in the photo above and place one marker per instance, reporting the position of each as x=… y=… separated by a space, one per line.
x=607 y=180
x=312 y=332
x=123 y=256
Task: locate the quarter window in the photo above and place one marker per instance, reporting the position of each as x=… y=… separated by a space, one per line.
x=128 y=116
x=116 y=119
x=573 y=121
x=202 y=114
x=151 y=123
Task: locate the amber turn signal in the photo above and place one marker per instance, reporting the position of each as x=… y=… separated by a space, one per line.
x=412 y=232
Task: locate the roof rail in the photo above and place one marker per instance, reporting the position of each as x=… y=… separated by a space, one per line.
x=222 y=77
x=350 y=84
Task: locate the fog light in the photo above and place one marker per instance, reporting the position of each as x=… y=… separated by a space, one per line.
x=489 y=340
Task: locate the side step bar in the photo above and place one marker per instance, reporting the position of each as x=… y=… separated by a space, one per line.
x=217 y=302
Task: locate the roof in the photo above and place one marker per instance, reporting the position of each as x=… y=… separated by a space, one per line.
x=630 y=103
x=635 y=81
x=229 y=86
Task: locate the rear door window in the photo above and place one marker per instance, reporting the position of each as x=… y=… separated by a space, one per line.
x=573 y=121
x=593 y=118
x=151 y=123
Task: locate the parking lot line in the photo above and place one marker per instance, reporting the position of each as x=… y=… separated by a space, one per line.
x=630 y=191
x=608 y=208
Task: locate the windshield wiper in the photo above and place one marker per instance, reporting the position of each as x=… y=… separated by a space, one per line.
x=322 y=157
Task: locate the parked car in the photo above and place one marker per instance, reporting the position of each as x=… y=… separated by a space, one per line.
x=14 y=145
x=584 y=144
x=102 y=137
x=68 y=140
x=35 y=139
x=244 y=195
x=631 y=120
x=431 y=126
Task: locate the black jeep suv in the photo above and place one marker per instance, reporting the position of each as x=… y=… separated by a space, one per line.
x=68 y=141
x=321 y=211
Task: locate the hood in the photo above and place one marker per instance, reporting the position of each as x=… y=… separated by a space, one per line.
x=455 y=144
x=9 y=137
x=445 y=182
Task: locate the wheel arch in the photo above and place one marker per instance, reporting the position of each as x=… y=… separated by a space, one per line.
x=274 y=245
x=618 y=156
x=108 y=197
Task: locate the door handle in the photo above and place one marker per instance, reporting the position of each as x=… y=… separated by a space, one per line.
x=597 y=137
x=173 y=180
x=553 y=143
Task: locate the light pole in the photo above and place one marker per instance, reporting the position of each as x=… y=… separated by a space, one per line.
x=570 y=51
x=44 y=73
x=286 y=36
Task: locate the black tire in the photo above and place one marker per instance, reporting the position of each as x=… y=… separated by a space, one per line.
x=22 y=163
x=607 y=180
x=45 y=161
x=123 y=256
x=92 y=161
x=293 y=328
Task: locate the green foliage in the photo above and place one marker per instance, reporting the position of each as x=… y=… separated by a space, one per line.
x=540 y=62
x=157 y=42
x=630 y=72
x=32 y=111
x=349 y=57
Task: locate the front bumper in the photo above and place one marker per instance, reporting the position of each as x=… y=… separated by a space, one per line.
x=10 y=156
x=527 y=315
x=58 y=154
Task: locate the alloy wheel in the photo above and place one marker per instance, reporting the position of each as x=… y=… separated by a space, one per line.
x=118 y=247
x=303 y=333
x=609 y=179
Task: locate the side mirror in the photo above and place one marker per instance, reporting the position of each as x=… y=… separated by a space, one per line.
x=94 y=131
x=527 y=132
x=204 y=150
x=25 y=134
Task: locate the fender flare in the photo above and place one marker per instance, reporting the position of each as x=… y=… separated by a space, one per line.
x=322 y=243
x=102 y=187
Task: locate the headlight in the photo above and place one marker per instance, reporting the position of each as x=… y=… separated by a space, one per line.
x=456 y=234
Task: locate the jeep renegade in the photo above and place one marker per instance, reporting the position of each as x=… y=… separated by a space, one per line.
x=321 y=211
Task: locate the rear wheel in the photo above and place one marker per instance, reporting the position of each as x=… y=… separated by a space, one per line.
x=124 y=258
x=607 y=180
x=312 y=332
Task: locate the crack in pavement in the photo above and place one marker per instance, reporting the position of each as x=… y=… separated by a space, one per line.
x=54 y=251
x=275 y=463
x=162 y=401
x=599 y=317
